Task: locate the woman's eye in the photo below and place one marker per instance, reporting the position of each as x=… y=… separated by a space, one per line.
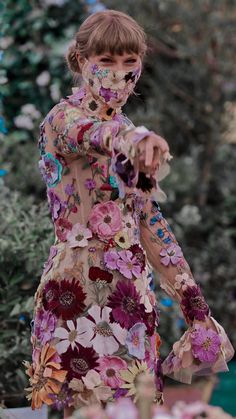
x=105 y=60
x=131 y=61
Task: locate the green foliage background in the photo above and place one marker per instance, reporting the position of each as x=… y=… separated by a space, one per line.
x=186 y=94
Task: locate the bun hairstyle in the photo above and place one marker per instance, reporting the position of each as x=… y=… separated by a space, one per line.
x=107 y=31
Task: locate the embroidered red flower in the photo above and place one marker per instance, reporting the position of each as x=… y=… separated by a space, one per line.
x=98 y=274
x=83 y=129
x=64 y=298
x=79 y=361
x=63 y=226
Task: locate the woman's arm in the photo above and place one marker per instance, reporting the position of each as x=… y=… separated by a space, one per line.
x=68 y=133
x=204 y=348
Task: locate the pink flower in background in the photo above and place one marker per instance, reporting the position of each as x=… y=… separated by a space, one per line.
x=105 y=220
x=172 y=253
x=135 y=340
x=128 y=264
x=109 y=367
x=206 y=344
x=110 y=259
x=101 y=333
x=78 y=236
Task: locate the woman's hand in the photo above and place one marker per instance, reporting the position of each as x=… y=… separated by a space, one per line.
x=150 y=150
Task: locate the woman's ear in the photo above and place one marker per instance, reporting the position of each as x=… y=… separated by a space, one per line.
x=81 y=60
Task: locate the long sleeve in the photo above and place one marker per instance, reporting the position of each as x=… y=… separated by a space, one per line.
x=204 y=348
x=74 y=135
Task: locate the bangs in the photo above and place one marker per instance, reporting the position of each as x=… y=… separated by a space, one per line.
x=116 y=38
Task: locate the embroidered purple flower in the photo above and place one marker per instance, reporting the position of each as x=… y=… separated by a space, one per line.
x=63 y=398
x=50 y=169
x=90 y=184
x=124 y=170
x=94 y=68
x=107 y=94
x=193 y=304
x=69 y=189
x=205 y=344
x=55 y=204
x=110 y=259
x=135 y=340
x=47 y=266
x=172 y=253
x=125 y=303
x=128 y=264
x=44 y=325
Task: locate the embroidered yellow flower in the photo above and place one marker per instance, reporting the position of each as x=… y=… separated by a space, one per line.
x=122 y=239
x=71 y=114
x=130 y=376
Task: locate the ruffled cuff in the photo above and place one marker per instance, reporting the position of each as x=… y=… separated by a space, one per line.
x=202 y=350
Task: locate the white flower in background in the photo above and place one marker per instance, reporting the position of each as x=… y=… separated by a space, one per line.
x=43 y=79
x=189 y=215
x=3 y=80
x=55 y=92
x=58 y=3
x=6 y=41
x=23 y=121
x=30 y=109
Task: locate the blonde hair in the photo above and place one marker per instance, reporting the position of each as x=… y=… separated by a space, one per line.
x=107 y=31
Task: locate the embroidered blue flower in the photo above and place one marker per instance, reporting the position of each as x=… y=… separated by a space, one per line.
x=167 y=240
x=160 y=232
x=112 y=181
x=154 y=219
x=50 y=169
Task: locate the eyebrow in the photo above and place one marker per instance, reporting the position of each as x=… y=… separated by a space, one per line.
x=111 y=56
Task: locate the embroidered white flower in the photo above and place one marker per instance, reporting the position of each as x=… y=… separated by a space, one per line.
x=78 y=236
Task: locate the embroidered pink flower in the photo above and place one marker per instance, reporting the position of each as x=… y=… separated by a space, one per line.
x=135 y=340
x=110 y=259
x=44 y=325
x=105 y=220
x=100 y=333
x=128 y=264
x=109 y=367
x=205 y=343
x=78 y=236
x=172 y=254
x=183 y=281
x=63 y=226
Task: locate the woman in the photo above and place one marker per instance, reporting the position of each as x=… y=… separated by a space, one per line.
x=95 y=320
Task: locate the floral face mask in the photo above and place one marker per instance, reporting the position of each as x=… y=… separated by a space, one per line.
x=112 y=87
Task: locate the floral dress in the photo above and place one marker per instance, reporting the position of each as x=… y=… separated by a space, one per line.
x=95 y=320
